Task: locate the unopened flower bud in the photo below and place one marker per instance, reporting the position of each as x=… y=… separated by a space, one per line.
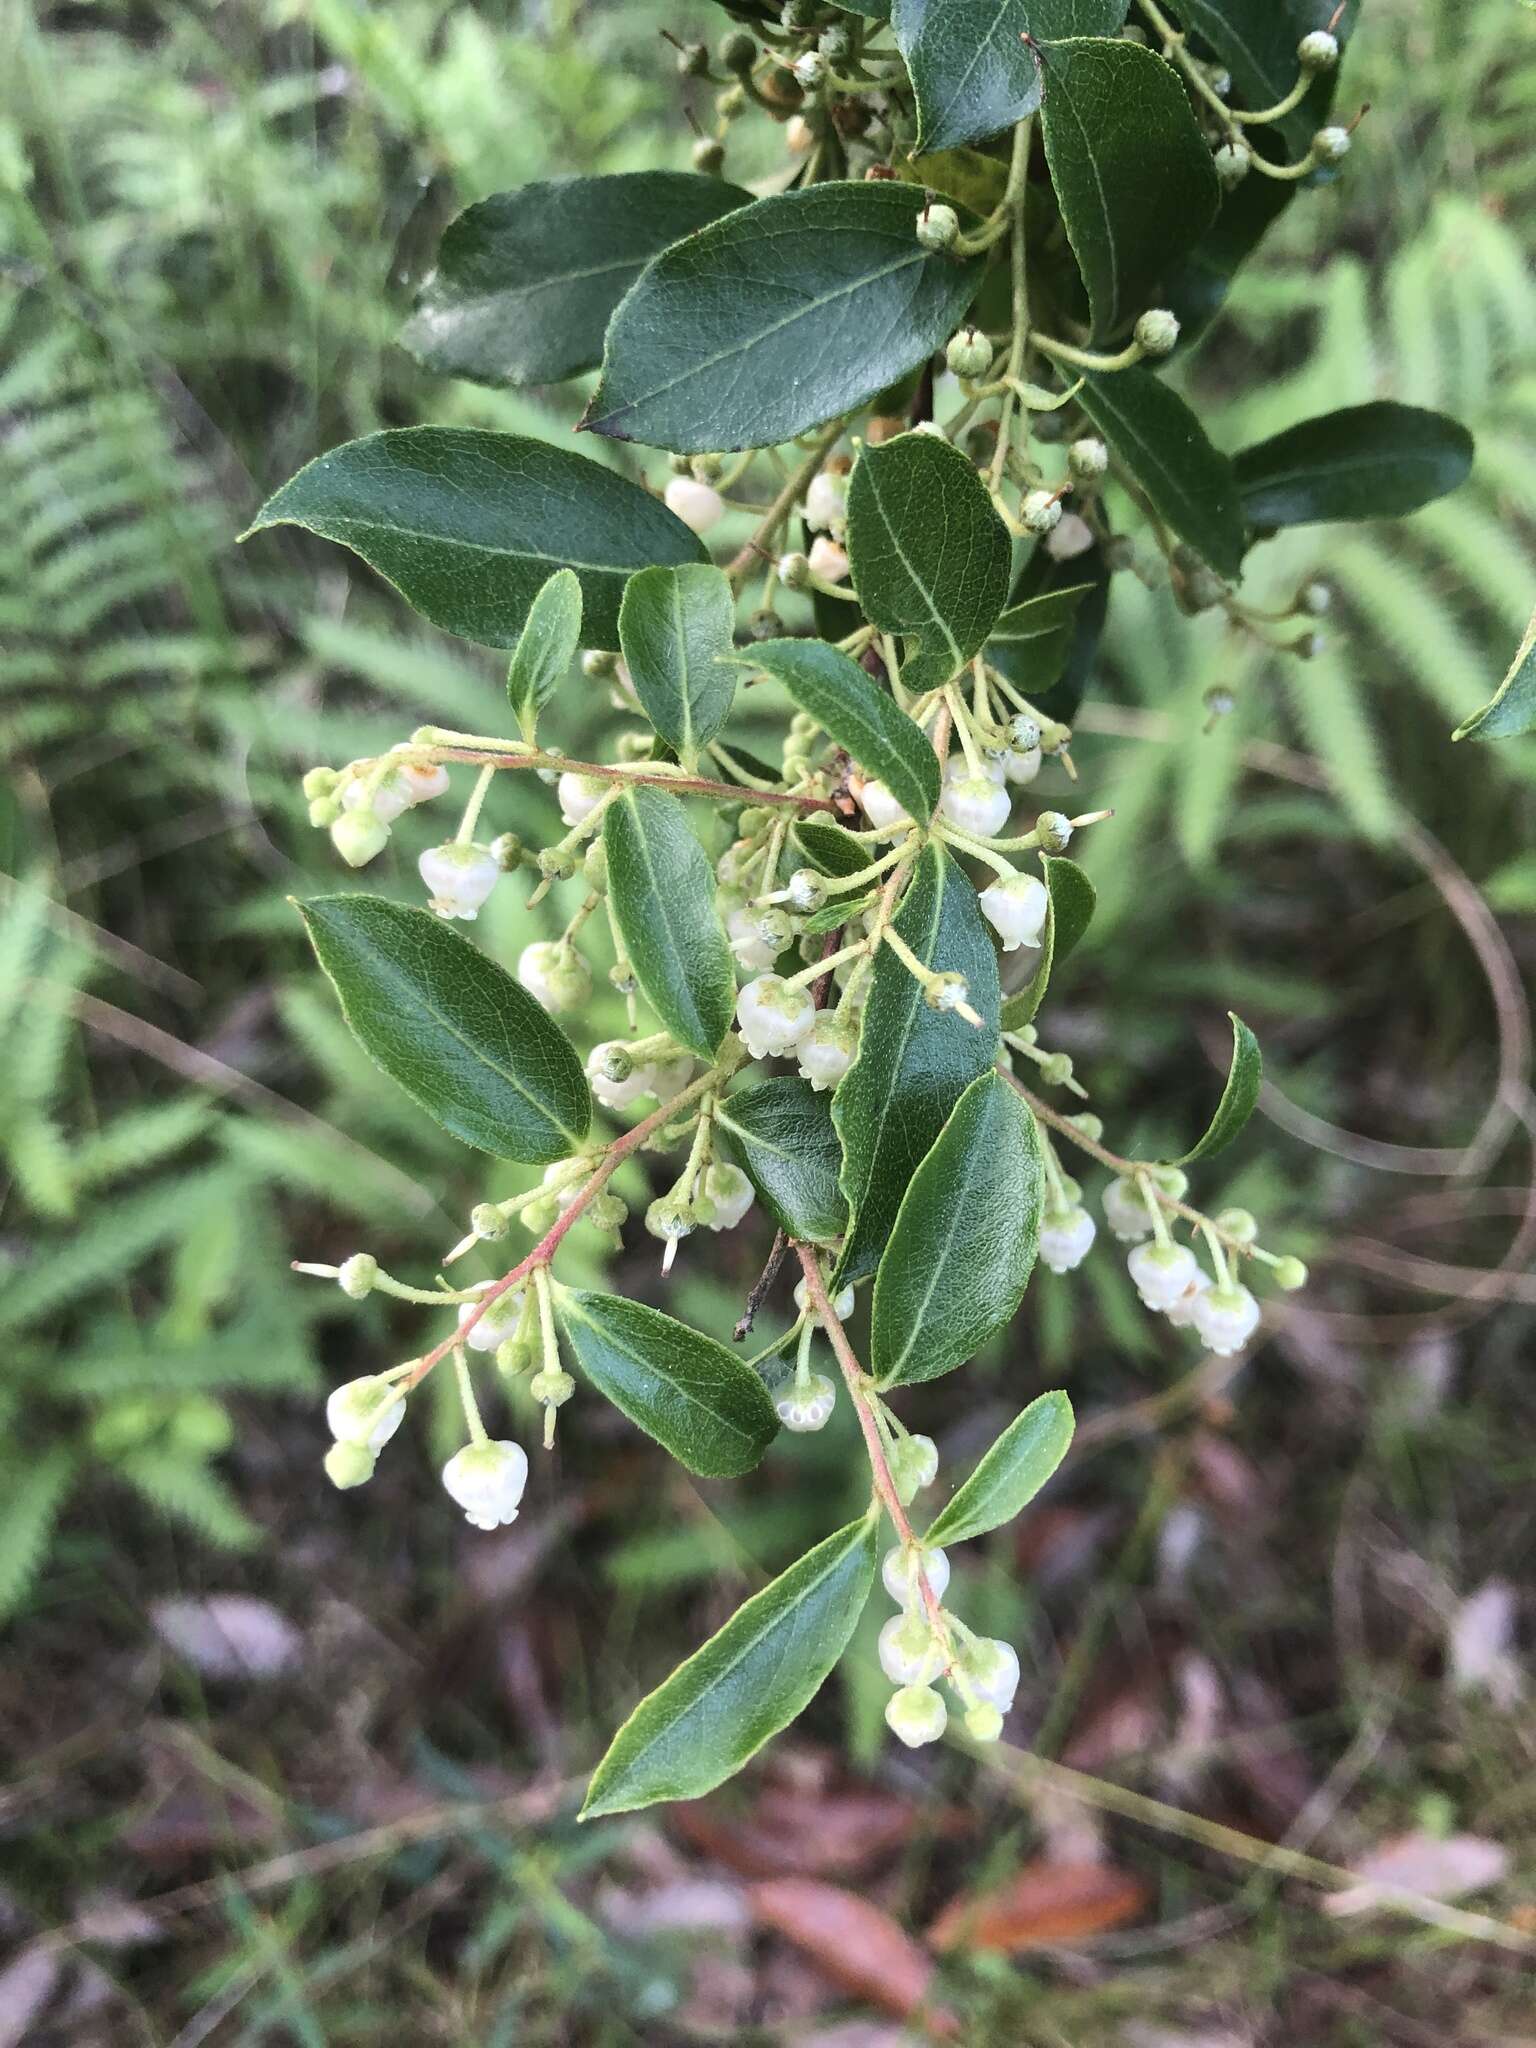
x=1289 y=1273
x=551 y=1387
x=1238 y=1224
x=493 y=1324
x=1318 y=51
x=916 y=1715
x=319 y=782
x=983 y=1722
x=908 y=1653
x=1157 y=331
x=938 y=226
x=794 y=571
x=366 y=1411
x=731 y=1193
x=699 y=506
x=1127 y=1212
x=555 y=975
x=969 y=353
x=898 y=1571
x=914 y=1465
x=1233 y=161
x=349 y=1465
x=358 y=836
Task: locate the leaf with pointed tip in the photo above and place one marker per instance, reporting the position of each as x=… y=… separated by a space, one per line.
x=699 y=1401
x=972 y=69
x=930 y=557
x=1041 y=577
x=546 y=647
x=460 y=1036
x=468 y=525
x=781 y=1130
x=852 y=709
x=963 y=1245
x=776 y=318
x=1009 y=1475
x=1031 y=641
x=1132 y=172
x=914 y=1063
x=829 y=847
x=1376 y=461
x=1072 y=898
x=674 y=627
x=525 y=280
x=1188 y=481
x=1512 y=708
x=1238 y=1098
x=662 y=891
x=746 y=1684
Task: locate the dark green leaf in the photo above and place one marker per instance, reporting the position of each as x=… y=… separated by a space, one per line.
x=1010 y=1474
x=701 y=1402
x=972 y=71
x=746 y=1683
x=1512 y=708
x=1238 y=1098
x=839 y=911
x=1256 y=40
x=525 y=280
x=546 y=647
x=1031 y=641
x=1072 y=899
x=1132 y=172
x=782 y=1132
x=458 y=1033
x=468 y=525
x=662 y=891
x=1043 y=577
x=829 y=847
x=776 y=318
x=1376 y=461
x=930 y=556
x=674 y=626
x=852 y=709
x=963 y=1245
x=914 y=1063
x=1188 y=482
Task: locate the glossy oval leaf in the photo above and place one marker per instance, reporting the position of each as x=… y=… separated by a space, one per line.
x=468 y=526
x=776 y=318
x=1377 y=461
x=1512 y=708
x=674 y=627
x=1010 y=1474
x=699 y=1401
x=963 y=1246
x=525 y=281
x=460 y=1036
x=1238 y=1099
x=1187 y=480
x=1132 y=172
x=745 y=1685
x=781 y=1130
x=852 y=709
x=972 y=71
x=545 y=648
x=913 y=1063
x=1072 y=900
x=931 y=559
x=662 y=891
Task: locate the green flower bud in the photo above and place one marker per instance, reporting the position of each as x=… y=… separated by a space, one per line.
x=916 y=1715
x=487 y=1222
x=525 y=1347
x=324 y=811
x=607 y=1211
x=319 y=782
x=1091 y=1126
x=1234 y=160
x=969 y=353
x=938 y=226
x=983 y=1722
x=1240 y=1224
x=348 y=1465
x=1157 y=331
x=358 y=836
x=1056 y=1069
x=358 y=1275
x=914 y=1465
x=1290 y=1274
x=551 y=1387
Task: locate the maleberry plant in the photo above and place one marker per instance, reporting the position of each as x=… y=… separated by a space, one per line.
x=920 y=374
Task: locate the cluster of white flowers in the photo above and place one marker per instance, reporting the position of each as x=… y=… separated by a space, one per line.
x=359 y=803
x=982 y=1671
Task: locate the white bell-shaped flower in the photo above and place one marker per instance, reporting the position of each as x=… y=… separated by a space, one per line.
x=826 y=1052
x=1162 y=1273
x=1182 y=1314
x=610 y=1059
x=1015 y=906
x=424 y=780
x=976 y=804
x=1066 y=1237
x=460 y=878
x=1071 y=536
x=958 y=769
x=1126 y=1211
x=487 y=1481
x=826 y=502
x=697 y=505
x=670 y=1077
x=916 y=1715
x=898 y=1569
x=773 y=1016
x=992 y=1666
x=806 y=1405
x=554 y=974
x=496 y=1324
x=828 y=560
x=387 y=799
x=908 y=1653
x=1021 y=765
x=579 y=796
x=1226 y=1317
x=744 y=929
x=366 y=1411
x=842 y=1304
x=881 y=808
x=731 y=1192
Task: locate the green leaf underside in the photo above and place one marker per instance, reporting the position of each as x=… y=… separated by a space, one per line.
x=829 y=848
x=1010 y=1473
x=776 y=318
x=1377 y=461
x=699 y=1401
x=1238 y=1098
x=1512 y=708
x=963 y=1245
x=674 y=626
x=972 y=71
x=546 y=648
x=852 y=709
x=1187 y=480
x=840 y=911
x=461 y=1037
x=662 y=890
x=930 y=556
x=746 y=1683
x=468 y=525
x=526 y=280
x=1031 y=641
x=1071 y=909
x=913 y=1062
x=1256 y=41
x=781 y=1130
x=1132 y=172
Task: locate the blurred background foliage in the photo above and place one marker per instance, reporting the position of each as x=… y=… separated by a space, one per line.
x=210 y=220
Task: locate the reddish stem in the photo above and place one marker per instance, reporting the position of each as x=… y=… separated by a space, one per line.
x=685 y=785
